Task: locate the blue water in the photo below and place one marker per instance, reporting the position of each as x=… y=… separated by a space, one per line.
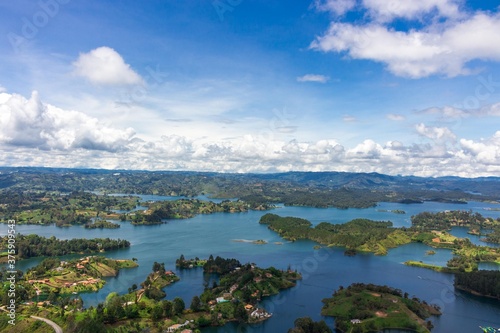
x=323 y=270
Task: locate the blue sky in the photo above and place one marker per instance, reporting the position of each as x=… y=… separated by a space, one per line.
x=390 y=86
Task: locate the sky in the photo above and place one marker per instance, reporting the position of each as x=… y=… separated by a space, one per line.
x=399 y=87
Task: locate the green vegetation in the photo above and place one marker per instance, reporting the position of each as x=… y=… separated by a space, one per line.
x=371 y=308
x=37 y=246
x=187 y=208
x=233 y=299
x=307 y=325
x=62 y=209
x=442 y=221
x=102 y=224
x=316 y=189
x=53 y=277
x=156 y=281
x=359 y=234
x=484 y=283
x=182 y=263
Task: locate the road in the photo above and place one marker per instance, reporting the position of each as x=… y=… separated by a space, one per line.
x=56 y=327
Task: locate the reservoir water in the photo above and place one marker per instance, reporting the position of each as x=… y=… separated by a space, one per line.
x=323 y=270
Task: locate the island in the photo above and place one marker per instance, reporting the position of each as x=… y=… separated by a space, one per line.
x=54 y=278
x=32 y=245
x=363 y=235
x=373 y=308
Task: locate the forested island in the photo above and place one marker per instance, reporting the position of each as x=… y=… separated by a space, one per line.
x=32 y=245
x=444 y=221
x=359 y=234
x=379 y=236
x=372 y=308
x=55 y=279
x=187 y=208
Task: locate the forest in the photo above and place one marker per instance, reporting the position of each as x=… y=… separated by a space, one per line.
x=35 y=246
x=484 y=283
x=358 y=234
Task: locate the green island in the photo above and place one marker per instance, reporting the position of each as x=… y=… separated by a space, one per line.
x=372 y=308
x=32 y=245
x=395 y=211
x=234 y=298
x=358 y=235
x=444 y=221
x=378 y=236
x=156 y=212
x=54 y=278
x=102 y=224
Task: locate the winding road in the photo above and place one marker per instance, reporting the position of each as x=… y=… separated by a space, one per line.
x=56 y=327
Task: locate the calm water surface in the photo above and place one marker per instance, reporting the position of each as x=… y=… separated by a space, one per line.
x=323 y=270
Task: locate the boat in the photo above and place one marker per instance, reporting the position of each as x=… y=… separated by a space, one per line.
x=489 y=329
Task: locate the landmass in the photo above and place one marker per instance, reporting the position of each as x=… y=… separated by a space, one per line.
x=483 y=283
x=235 y=298
x=372 y=308
x=28 y=246
x=363 y=235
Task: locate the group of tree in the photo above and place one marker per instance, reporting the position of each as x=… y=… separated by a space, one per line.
x=447 y=219
x=220 y=265
x=362 y=234
x=35 y=246
x=483 y=282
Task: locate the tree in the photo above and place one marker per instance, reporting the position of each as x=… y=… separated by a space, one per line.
x=195 y=304
x=156 y=312
x=179 y=305
x=167 y=308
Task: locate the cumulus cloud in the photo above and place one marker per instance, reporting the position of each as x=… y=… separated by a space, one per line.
x=33 y=133
x=34 y=124
x=313 y=78
x=104 y=65
x=387 y=10
x=435 y=133
x=439 y=47
x=485 y=151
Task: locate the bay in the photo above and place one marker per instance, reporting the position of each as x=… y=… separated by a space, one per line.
x=323 y=270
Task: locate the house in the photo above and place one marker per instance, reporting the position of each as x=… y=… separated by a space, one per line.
x=221 y=300
x=248 y=307
x=174 y=328
x=169 y=273
x=355 y=321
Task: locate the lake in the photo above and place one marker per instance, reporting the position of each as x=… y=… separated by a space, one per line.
x=323 y=270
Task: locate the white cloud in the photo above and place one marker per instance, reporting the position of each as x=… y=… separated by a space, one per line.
x=486 y=151
x=313 y=78
x=435 y=133
x=387 y=10
x=395 y=117
x=104 y=65
x=337 y=7
x=438 y=48
x=33 y=133
x=34 y=124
